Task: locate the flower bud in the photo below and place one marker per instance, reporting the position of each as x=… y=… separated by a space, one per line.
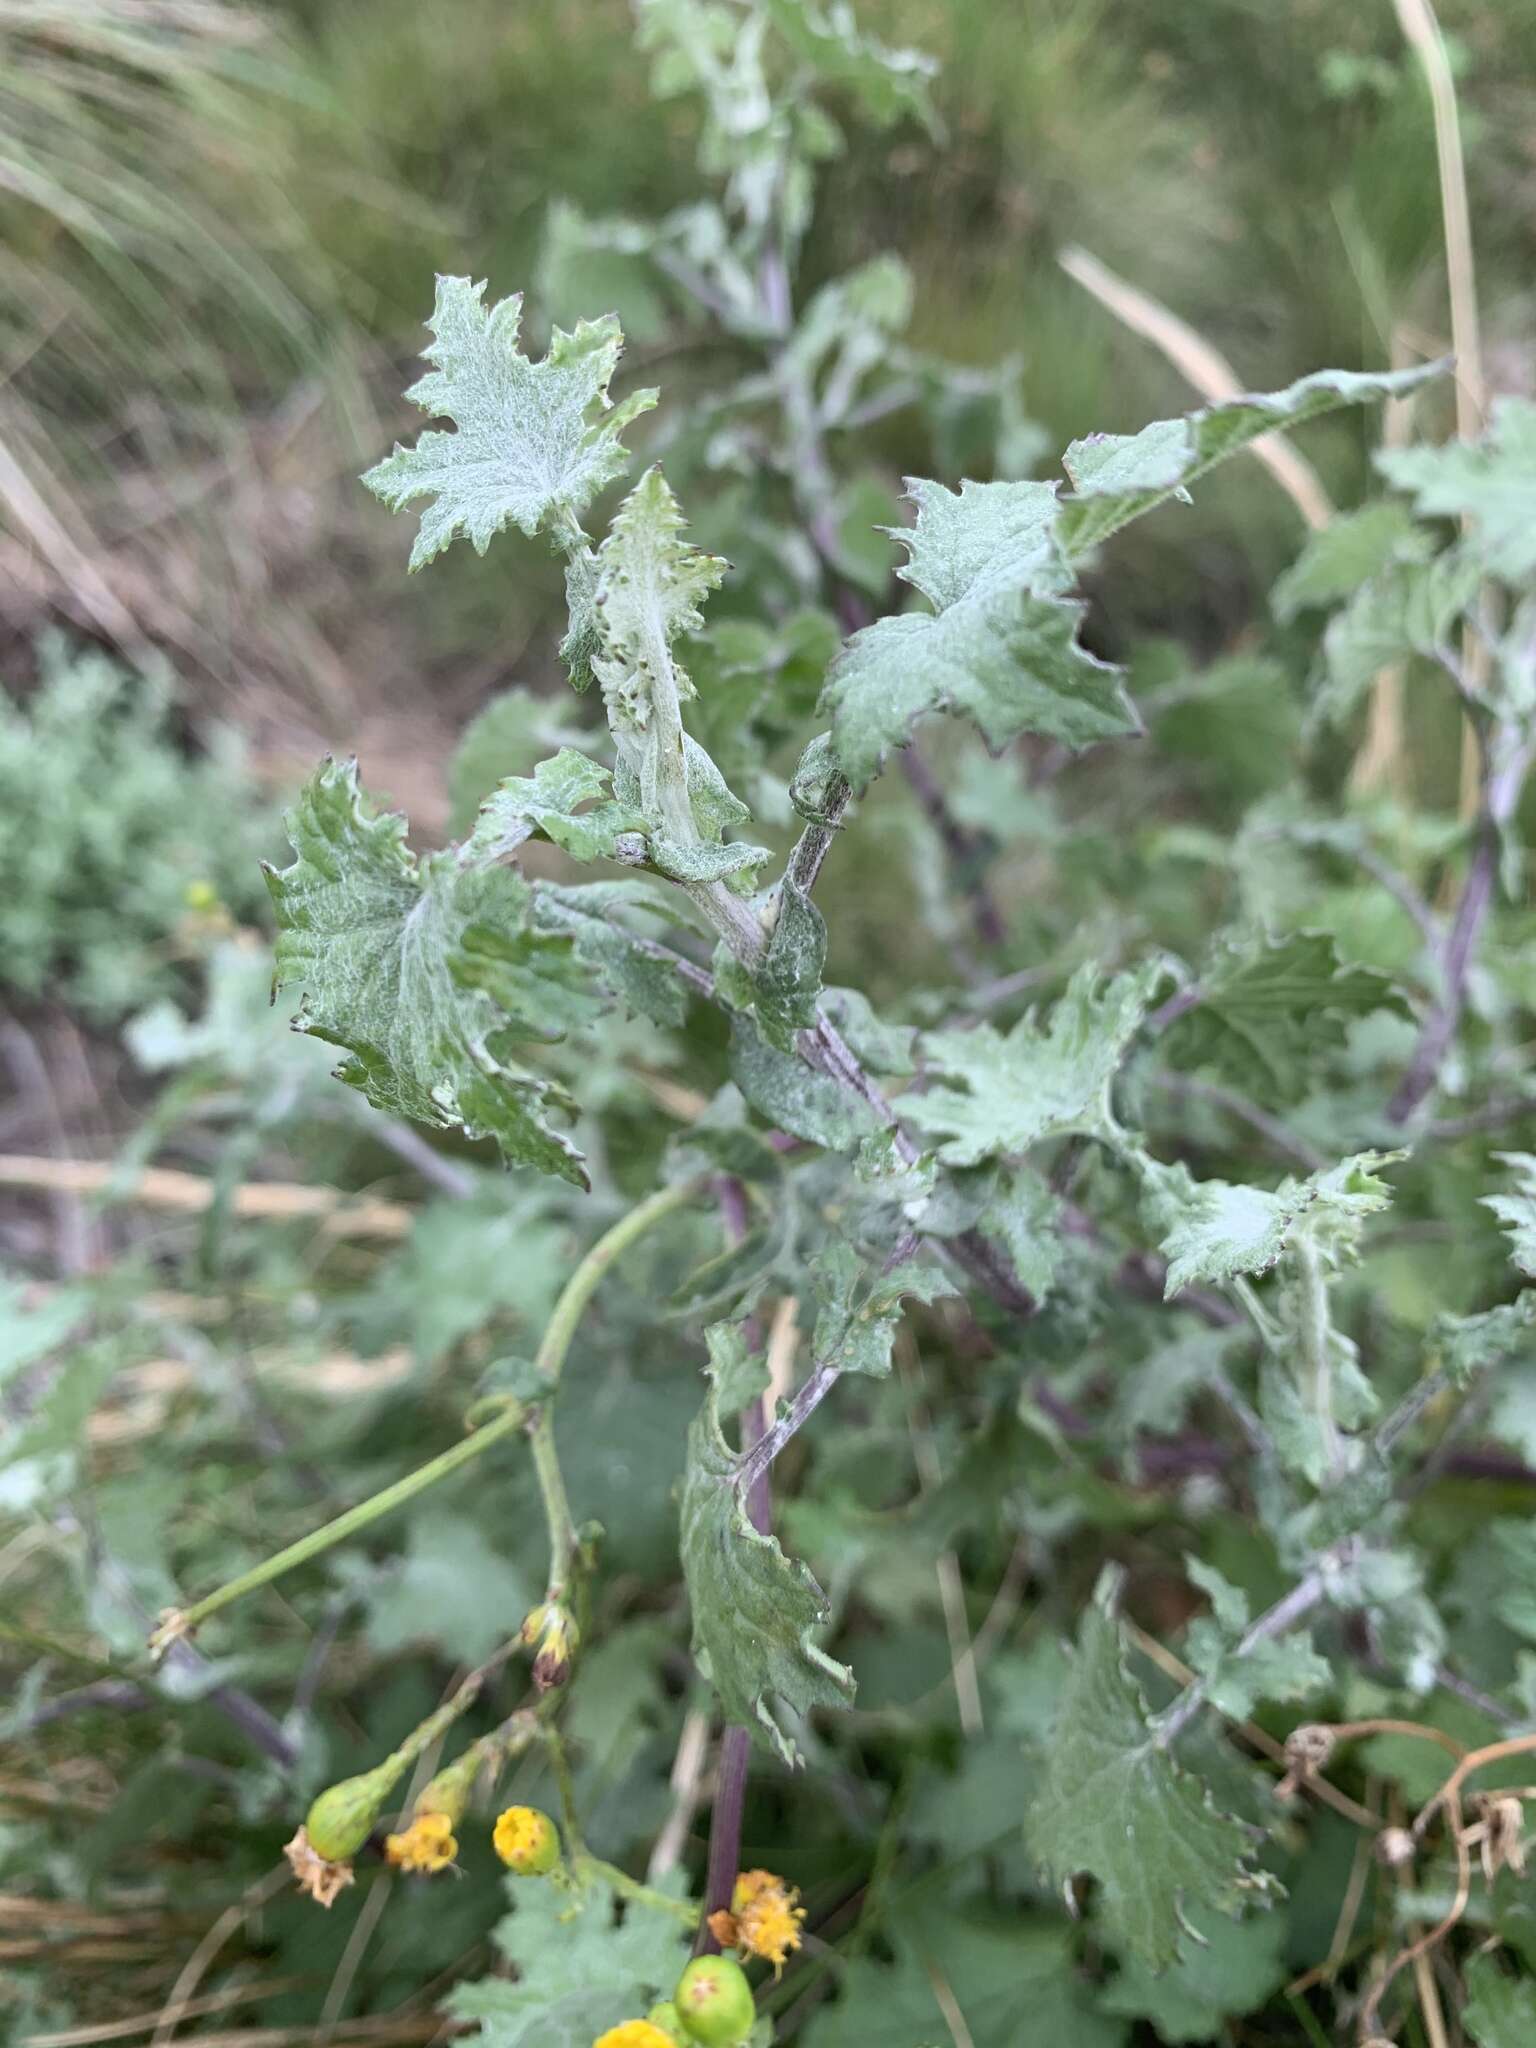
x=664 y=2019
x=448 y=1793
x=714 y=2002
x=552 y=1626
x=342 y=1818
x=527 y=1841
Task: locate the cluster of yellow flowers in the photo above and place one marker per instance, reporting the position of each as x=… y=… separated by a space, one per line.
x=320 y=1854
x=764 y=1918
x=428 y=1844
x=712 y=2006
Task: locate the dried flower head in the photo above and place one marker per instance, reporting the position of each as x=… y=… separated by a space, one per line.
x=527 y=1841
x=1307 y=1750
x=764 y=1918
x=321 y=1879
x=428 y=1844
x=1501 y=1833
x=170 y=1628
x=1395 y=1848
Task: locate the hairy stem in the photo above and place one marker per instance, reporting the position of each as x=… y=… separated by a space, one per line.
x=1316 y=1333
x=814 y=1390
x=181 y=1620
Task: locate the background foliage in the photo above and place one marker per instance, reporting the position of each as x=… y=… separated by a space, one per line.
x=219 y=228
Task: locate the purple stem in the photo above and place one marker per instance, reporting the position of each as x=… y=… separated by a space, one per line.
x=1176 y=1007
x=1500 y=801
x=1440 y=1025
x=725 y=1833
x=752 y=1472
x=963 y=847
x=735 y=1742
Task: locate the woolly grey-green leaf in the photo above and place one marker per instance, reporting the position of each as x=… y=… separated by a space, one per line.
x=999 y=646
x=1117 y=477
x=1003 y=1093
x=427 y=974
x=1491 y=482
x=533 y=440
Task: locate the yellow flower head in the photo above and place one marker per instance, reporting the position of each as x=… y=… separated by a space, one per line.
x=428 y=1844
x=764 y=1919
x=527 y=1841
x=634 y=2034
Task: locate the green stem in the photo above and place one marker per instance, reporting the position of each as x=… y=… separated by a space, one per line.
x=557 y=1507
x=627 y=1887
x=183 y=1620
x=559 y=1763
x=582 y=1284
x=556 y=1343
x=580 y=1861
x=422 y=1737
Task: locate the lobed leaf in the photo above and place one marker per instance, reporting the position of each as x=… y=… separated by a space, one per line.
x=1491 y=482
x=999 y=647
x=1112 y=1803
x=1351 y=549
x=1006 y=1093
x=1214 y=1230
x=426 y=973
x=535 y=441
x=1270 y=1008
x=754 y=1609
x=887 y=84
x=1517 y=1211
x=1410 y=607
x=566 y=798
x=1117 y=477
x=859 y=1310
x=580 y=1968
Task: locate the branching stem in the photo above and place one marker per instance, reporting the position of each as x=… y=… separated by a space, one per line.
x=556 y=1342
x=1295 y=1606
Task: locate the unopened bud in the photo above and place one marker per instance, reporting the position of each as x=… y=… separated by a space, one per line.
x=553 y=1628
x=714 y=2002
x=342 y=1818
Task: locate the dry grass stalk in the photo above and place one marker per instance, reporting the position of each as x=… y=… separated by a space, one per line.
x=164 y=1187
x=1422 y=32
x=1204 y=367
